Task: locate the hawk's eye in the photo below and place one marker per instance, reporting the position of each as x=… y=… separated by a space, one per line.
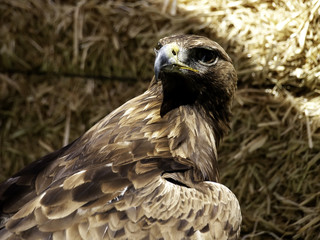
x=157 y=48
x=206 y=56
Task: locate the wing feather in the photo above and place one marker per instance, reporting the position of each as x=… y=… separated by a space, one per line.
x=116 y=180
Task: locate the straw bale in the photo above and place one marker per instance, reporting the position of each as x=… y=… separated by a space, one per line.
x=271 y=160
x=66 y=64
x=39 y=115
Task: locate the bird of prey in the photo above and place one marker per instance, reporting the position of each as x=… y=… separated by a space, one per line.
x=148 y=170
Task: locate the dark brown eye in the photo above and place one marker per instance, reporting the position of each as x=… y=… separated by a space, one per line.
x=206 y=56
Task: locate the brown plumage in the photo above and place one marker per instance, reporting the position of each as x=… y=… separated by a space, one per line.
x=148 y=170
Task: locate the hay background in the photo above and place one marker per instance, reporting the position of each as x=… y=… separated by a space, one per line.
x=65 y=65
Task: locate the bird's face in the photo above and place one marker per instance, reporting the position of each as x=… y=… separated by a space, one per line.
x=187 y=53
x=195 y=70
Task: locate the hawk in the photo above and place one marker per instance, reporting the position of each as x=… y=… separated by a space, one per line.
x=148 y=170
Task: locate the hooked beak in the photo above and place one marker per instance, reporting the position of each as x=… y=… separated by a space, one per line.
x=168 y=59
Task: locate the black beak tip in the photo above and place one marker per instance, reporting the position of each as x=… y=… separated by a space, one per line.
x=162 y=60
x=156 y=73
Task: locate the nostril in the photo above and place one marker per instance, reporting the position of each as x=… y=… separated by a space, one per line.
x=174 y=52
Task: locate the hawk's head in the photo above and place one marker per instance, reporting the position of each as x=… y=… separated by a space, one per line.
x=195 y=70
